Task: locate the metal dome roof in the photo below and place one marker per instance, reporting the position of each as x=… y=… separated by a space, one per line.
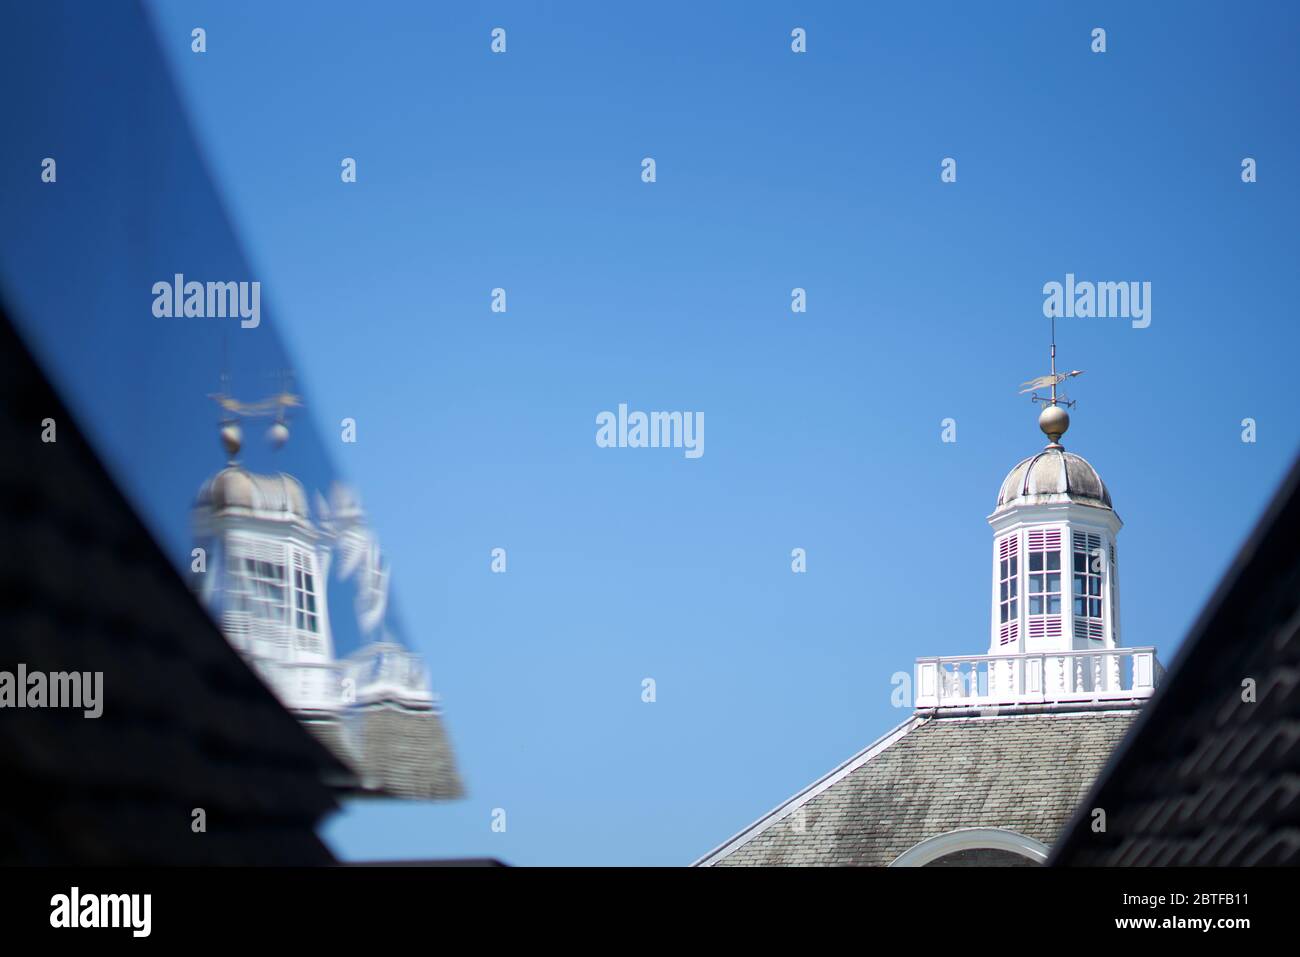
x=234 y=487
x=1050 y=476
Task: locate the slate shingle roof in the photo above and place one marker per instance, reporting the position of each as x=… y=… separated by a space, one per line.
x=407 y=753
x=1023 y=772
x=1207 y=778
x=394 y=751
x=185 y=723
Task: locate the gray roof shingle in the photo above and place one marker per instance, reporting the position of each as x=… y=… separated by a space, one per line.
x=403 y=752
x=1024 y=773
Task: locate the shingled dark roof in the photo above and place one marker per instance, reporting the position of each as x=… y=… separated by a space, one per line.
x=1208 y=778
x=931 y=775
x=185 y=723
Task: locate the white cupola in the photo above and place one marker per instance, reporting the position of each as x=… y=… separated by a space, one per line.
x=1054 y=638
x=266 y=578
x=266 y=565
x=1055 y=569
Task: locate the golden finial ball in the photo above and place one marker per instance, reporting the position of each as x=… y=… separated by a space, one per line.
x=231 y=439
x=1054 y=421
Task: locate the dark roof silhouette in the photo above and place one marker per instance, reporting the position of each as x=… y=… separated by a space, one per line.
x=1208 y=777
x=185 y=723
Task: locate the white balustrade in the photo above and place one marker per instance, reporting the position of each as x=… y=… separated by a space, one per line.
x=980 y=681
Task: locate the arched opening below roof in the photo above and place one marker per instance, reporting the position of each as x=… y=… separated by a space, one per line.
x=974 y=846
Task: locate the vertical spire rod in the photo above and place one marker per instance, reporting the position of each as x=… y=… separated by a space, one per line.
x=1053 y=360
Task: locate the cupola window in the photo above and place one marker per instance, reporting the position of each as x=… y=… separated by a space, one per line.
x=1008 y=582
x=257 y=587
x=304 y=594
x=1088 y=566
x=1045 y=571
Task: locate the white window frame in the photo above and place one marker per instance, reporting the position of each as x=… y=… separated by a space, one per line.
x=306 y=596
x=1046 y=594
x=254 y=585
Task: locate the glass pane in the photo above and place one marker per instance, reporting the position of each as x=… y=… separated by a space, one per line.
x=111 y=368
x=1094 y=585
x=1079 y=587
x=1035 y=561
x=1004 y=592
x=1080 y=606
x=1095 y=607
x=1053 y=560
x=1035 y=605
x=1035 y=583
x=1015 y=565
x=1014 y=605
x=1013 y=584
x=1054 y=582
x=1053 y=604
x=1004 y=612
x=1003 y=573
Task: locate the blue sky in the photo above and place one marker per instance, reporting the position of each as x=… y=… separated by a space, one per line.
x=775 y=170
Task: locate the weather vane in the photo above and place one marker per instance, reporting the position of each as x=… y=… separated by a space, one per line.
x=1053 y=420
x=1051 y=380
x=272 y=406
